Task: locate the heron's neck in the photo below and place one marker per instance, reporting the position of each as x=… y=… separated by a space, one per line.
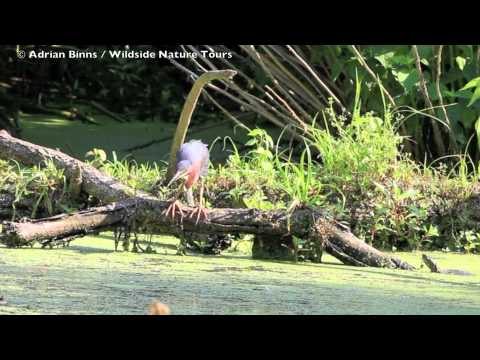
x=187 y=112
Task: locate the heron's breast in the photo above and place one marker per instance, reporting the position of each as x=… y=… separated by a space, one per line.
x=193 y=174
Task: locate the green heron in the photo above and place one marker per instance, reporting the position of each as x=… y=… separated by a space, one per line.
x=189 y=162
x=191 y=166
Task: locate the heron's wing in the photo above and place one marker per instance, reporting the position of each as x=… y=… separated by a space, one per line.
x=183 y=153
x=200 y=152
x=193 y=151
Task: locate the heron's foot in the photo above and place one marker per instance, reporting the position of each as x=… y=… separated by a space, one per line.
x=174 y=207
x=200 y=211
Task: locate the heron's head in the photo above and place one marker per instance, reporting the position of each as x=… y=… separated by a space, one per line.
x=183 y=169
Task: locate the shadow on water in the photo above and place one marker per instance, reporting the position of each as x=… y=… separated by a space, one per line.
x=89 y=250
x=74 y=248
x=361 y=271
x=156 y=243
x=404 y=275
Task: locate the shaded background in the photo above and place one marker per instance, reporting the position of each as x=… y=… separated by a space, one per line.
x=132 y=105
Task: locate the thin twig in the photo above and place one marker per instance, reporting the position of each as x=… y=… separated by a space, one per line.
x=291 y=79
x=254 y=107
x=295 y=116
x=423 y=88
x=314 y=74
x=250 y=81
x=251 y=99
x=439 y=94
x=362 y=61
x=295 y=63
x=258 y=59
x=226 y=112
x=423 y=83
x=437 y=82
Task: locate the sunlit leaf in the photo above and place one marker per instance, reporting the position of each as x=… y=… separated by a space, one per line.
x=407 y=78
x=472 y=83
x=475 y=96
x=461 y=61
x=477 y=130
x=385 y=59
x=425 y=62
x=255 y=132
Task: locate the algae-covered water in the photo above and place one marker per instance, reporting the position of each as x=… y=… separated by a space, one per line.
x=76 y=138
x=90 y=278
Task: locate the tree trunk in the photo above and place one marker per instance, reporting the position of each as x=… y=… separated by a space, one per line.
x=144 y=213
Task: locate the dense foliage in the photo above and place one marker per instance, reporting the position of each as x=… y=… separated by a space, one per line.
x=359 y=178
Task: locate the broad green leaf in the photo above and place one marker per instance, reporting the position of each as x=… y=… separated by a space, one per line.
x=477 y=130
x=337 y=68
x=386 y=59
x=461 y=61
x=475 y=96
x=468 y=117
x=400 y=75
x=425 y=52
x=472 y=83
x=395 y=59
x=461 y=94
x=467 y=49
x=255 y=132
x=403 y=59
x=407 y=78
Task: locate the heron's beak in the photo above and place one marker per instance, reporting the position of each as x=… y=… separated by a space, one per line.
x=178 y=175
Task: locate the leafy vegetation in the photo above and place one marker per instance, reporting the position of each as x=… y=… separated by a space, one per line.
x=353 y=169
x=362 y=179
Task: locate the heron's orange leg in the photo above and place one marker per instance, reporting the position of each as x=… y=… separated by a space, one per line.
x=200 y=210
x=176 y=205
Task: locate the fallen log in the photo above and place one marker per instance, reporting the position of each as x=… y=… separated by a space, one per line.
x=10 y=208
x=145 y=213
x=93 y=182
x=148 y=215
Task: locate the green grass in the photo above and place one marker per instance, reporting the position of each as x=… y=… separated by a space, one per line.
x=89 y=278
x=352 y=168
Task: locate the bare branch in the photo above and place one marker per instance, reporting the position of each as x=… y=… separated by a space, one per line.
x=423 y=88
